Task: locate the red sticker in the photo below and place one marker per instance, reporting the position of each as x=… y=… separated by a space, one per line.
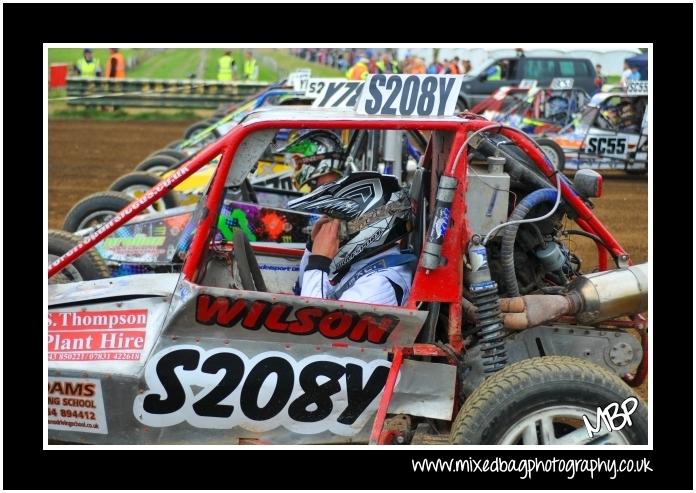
x=96 y=336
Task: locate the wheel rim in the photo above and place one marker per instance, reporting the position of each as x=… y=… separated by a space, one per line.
x=68 y=274
x=137 y=191
x=95 y=219
x=551 y=154
x=560 y=425
x=157 y=170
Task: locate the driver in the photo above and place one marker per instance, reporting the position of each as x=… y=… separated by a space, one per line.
x=318 y=158
x=353 y=254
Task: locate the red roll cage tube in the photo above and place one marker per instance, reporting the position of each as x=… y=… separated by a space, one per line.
x=433 y=285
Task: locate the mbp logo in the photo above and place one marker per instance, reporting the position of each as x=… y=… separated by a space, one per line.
x=609 y=416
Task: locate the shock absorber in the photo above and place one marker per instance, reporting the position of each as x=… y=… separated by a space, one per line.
x=484 y=293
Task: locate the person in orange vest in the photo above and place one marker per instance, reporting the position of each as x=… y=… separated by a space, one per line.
x=453 y=67
x=360 y=70
x=116 y=66
x=417 y=66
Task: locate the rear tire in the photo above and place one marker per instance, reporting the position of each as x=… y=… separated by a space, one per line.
x=157 y=165
x=554 y=152
x=89 y=266
x=198 y=127
x=176 y=154
x=174 y=144
x=140 y=181
x=539 y=401
x=95 y=209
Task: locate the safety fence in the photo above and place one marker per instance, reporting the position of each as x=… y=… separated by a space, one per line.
x=172 y=93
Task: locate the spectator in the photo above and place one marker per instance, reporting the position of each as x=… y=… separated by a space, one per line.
x=600 y=80
x=342 y=64
x=453 y=67
x=386 y=65
x=417 y=66
x=360 y=70
x=625 y=74
x=635 y=73
x=226 y=66
x=87 y=66
x=251 y=68
x=466 y=66
x=434 y=68
x=116 y=66
x=519 y=52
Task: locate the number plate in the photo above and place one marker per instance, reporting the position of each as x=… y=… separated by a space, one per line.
x=316 y=86
x=637 y=88
x=562 y=83
x=528 y=83
x=410 y=95
x=298 y=79
x=341 y=94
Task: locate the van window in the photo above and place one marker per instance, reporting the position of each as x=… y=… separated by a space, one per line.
x=572 y=68
x=539 y=69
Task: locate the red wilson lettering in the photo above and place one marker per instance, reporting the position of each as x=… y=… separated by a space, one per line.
x=283 y=318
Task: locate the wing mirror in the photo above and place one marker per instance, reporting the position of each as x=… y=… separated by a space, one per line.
x=588 y=183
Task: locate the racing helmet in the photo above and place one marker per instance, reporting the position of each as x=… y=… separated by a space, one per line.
x=375 y=210
x=315 y=154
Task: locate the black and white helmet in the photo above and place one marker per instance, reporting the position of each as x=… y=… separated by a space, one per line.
x=375 y=210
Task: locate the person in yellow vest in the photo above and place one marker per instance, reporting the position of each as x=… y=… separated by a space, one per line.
x=360 y=70
x=386 y=65
x=88 y=66
x=495 y=72
x=226 y=67
x=251 y=68
x=116 y=66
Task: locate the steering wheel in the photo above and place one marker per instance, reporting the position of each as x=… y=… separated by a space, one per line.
x=247 y=266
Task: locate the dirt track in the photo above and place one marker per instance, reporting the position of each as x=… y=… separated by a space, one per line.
x=86 y=157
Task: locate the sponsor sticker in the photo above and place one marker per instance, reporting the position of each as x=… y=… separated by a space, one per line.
x=76 y=404
x=96 y=335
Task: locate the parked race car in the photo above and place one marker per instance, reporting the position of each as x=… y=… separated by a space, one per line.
x=535 y=110
x=202 y=133
x=610 y=133
x=217 y=354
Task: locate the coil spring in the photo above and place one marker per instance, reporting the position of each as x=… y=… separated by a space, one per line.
x=490 y=327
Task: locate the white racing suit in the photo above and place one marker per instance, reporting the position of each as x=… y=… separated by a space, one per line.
x=383 y=279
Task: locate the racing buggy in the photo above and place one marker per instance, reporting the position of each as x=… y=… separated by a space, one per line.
x=502 y=340
x=611 y=132
x=537 y=111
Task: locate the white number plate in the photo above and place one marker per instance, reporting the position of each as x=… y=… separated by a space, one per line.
x=562 y=83
x=410 y=95
x=316 y=86
x=637 y=88
x=528 y=83
x=343 y=95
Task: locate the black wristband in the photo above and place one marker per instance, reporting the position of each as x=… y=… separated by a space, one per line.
x=318 y=262
x=309 y=245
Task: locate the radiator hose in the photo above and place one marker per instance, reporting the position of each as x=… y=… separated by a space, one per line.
x=510 y=233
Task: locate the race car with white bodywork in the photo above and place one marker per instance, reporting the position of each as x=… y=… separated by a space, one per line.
x=213 y=356
x=611 y=132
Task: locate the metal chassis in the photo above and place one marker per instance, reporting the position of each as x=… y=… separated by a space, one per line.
x=442 y=285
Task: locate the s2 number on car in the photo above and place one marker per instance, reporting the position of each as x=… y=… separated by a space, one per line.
x=410 y=95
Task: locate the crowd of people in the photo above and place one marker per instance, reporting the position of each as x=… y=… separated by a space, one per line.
x=359 y=63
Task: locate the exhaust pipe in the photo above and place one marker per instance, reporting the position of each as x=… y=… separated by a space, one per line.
x=591 y=298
